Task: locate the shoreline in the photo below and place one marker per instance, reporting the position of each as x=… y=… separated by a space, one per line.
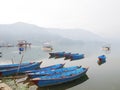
x=4 y=86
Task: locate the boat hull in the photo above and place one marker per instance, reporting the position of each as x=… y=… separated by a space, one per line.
x=6 y=66
x=13 y=71
x=57 y=54
x=77 y=57
x=48 y=68
x=51 y=72
x=59 y=80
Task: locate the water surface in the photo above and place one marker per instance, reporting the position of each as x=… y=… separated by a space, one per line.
x=98 y=77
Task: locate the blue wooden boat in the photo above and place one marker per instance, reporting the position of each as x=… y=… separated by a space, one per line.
x=69 y=55
x=52 y=55
x=51 y=72
x=67 y=86
x=21 y=49
x=76 y=57
x=56 y=54
x=59 y=54
x=59 y=78
x=21 y=69
x=6 y=66
x=48 y=68
x=101 y=59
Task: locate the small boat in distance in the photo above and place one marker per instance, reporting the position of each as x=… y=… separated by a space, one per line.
x=73 y=56
x=101 y=59
x=69 y=55
x=47 y=47
x=59 y=54
x=106 y=48
x=76 y=57
x=56 y=54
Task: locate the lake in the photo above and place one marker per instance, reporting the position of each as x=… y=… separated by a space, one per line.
x=98 y=77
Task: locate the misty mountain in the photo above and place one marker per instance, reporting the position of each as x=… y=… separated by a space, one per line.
x=77 y=34
x=29 y=32
x=35 y=34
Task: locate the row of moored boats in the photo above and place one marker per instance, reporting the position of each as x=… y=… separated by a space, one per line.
x=50 y=75
x=66 y=55
x=45 y=76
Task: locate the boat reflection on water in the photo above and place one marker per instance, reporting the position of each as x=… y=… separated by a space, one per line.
x=0 y=54
x=51 y=57
x=67 y=85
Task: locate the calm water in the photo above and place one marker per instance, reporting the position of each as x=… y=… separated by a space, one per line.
x=98 y=77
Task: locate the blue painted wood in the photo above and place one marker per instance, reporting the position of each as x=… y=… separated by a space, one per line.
x=68 y=56
x=59 y=78
x=52 y=67
x=102 y=58
x=56 y=54
x=59 y=54
x=76 y=56
x=6 y=66
x=21 y=69
x=51 y=72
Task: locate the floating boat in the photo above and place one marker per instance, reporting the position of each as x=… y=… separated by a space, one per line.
x=52 y=55
x=21 y=69
x=57 y=54
x=106 y=48
x=56 y=79
x=51 y=72
x=47 y=47
x=76 y=56
x=6 y=66
x=101 y=59
x=68 y=56
x=52 y=67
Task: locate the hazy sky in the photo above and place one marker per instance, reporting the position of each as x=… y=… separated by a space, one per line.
x=99 y=16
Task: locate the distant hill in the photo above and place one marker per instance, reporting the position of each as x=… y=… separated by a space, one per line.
x=24 y=31
x=77 y=34
x=35 y=34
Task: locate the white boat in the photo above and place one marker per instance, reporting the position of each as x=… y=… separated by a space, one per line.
x=47 y=47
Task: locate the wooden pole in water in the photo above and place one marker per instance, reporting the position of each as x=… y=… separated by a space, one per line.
x=18 y=70
x=12 y=60
x=13 y=76
x=20 y=64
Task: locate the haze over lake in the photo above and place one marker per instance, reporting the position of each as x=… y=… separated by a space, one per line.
x=105 y=76
x=76 y=26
